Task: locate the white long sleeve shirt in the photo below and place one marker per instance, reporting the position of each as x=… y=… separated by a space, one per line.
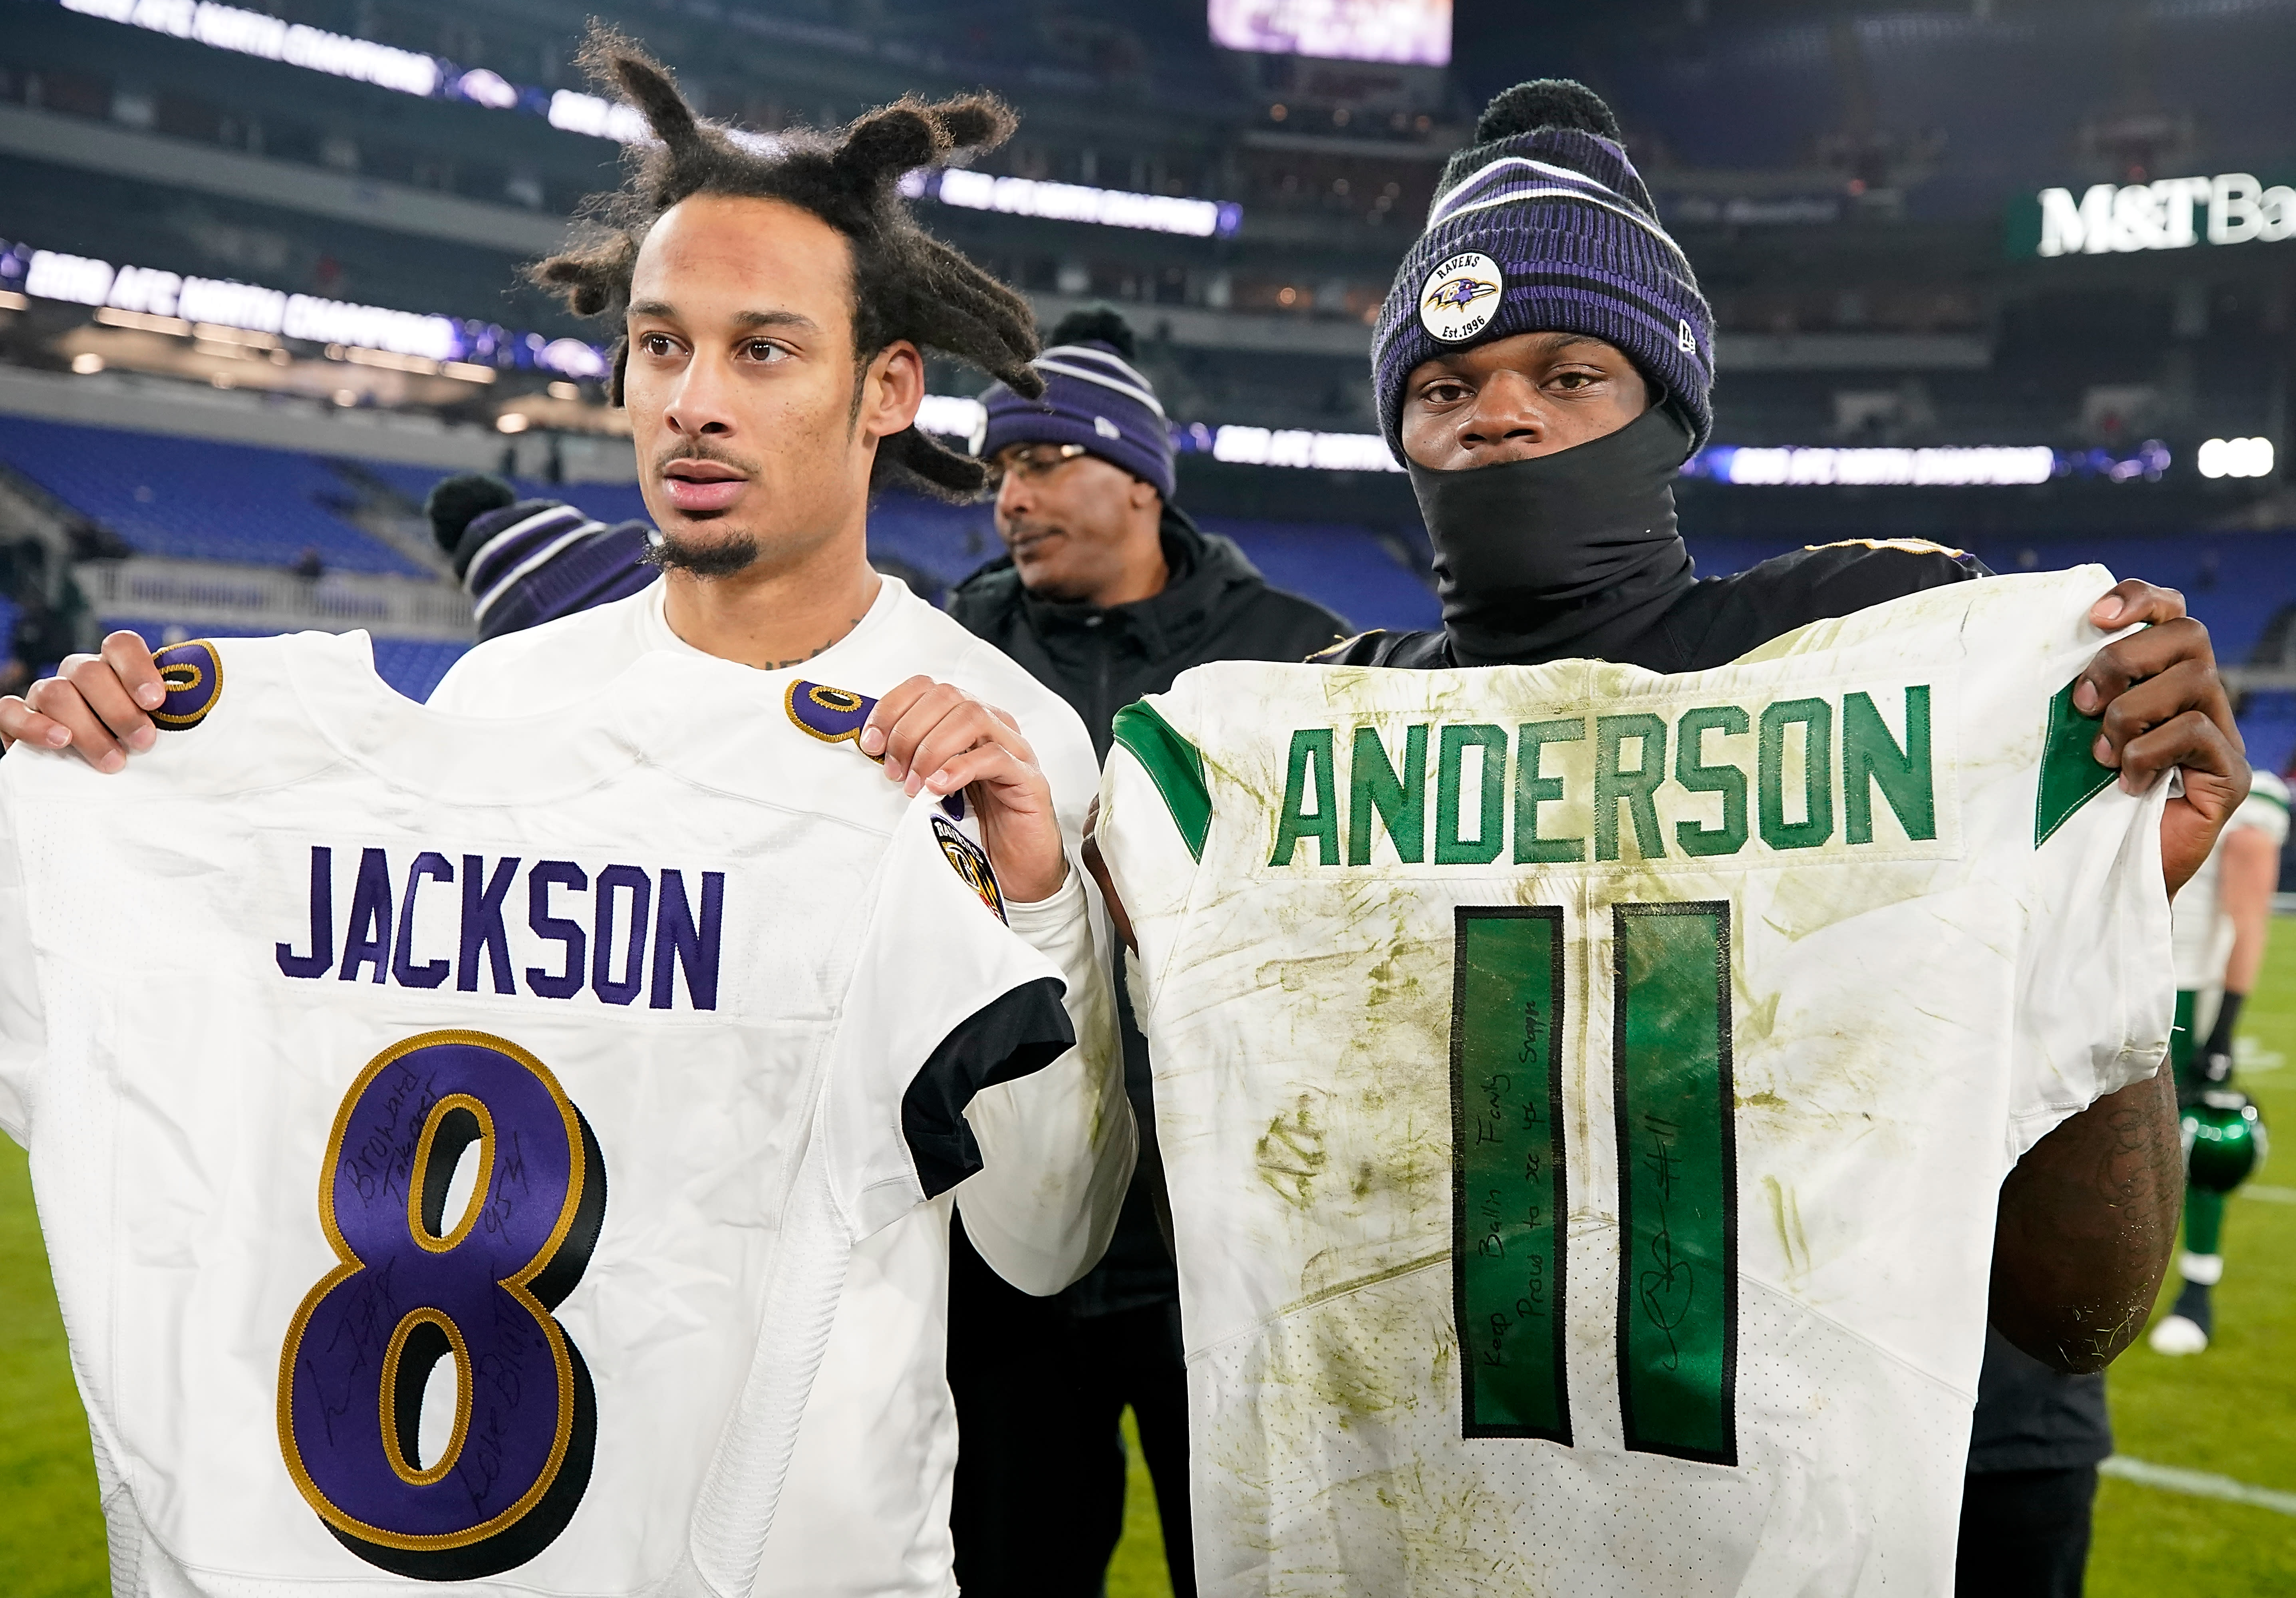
x=866 y=1509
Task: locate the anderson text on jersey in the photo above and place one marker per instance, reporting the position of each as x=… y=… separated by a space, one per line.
x=617 y=933
x=1845 y=771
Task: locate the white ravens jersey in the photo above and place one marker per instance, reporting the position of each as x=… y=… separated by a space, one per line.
x=2204 y=932
x=1584 y=1093
x=449 y=1135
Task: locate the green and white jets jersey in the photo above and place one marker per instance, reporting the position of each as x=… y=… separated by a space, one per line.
x=1584 y=1093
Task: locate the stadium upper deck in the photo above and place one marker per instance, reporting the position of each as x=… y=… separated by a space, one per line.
x=1857 y=185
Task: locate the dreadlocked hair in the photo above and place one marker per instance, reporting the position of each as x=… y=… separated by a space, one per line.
x=906 y=283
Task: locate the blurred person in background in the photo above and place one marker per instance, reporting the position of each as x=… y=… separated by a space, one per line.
x=2221 y=920
x=529 y=561
x=1107 y=592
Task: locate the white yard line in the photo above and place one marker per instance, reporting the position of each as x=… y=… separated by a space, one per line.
x=2200 y=1484
x=2270 y=1195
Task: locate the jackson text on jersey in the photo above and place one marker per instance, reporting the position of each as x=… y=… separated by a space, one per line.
x=616 y=931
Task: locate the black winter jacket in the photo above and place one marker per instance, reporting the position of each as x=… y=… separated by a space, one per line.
x=1215 y=607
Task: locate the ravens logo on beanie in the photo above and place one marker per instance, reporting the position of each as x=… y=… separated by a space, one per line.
x=1542 y=225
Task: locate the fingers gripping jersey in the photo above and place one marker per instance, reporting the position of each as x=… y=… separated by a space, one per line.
x=1585 y=1092
x=449 y=1135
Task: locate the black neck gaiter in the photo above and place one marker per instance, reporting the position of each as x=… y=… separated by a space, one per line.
x=1573 y=553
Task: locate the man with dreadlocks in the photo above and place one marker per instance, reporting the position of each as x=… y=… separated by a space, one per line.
x=773 y=302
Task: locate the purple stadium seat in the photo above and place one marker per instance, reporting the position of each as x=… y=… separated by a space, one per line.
x=197 y=499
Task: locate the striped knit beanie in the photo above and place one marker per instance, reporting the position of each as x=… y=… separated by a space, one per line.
x=1093 y=396
x=1541 y=226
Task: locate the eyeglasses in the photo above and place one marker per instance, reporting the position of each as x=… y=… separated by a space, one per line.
x=1031 y=461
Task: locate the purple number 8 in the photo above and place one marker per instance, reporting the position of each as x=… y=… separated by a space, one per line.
x=416 y=1286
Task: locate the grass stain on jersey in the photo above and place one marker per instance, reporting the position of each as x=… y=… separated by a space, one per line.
x=1291 y=1154
x=1785 y=1215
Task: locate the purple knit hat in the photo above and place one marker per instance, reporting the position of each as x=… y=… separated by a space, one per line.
x=1543 y=224
x=1093 y=396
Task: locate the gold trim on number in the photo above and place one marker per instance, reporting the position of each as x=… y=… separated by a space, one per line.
x=578 y=1170
x=418 y=1178
x=464 y=1379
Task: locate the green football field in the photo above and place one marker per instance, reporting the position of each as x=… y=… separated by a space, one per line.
x=2229 y=1413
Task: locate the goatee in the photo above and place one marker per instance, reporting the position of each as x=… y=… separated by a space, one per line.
x=721 y=557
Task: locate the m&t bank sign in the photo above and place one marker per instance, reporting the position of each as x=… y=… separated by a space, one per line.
x=2171 y=213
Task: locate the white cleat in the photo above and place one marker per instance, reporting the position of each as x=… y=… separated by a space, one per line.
x=2176 y=1335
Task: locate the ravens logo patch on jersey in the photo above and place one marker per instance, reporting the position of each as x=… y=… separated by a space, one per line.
x=832 y=715
x=971 y=862
x=193 y=675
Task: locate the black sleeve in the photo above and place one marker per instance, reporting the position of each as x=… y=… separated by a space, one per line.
x=1408 y=652
x=1722 y=618
x=1014 y=1035
x=1296 y=627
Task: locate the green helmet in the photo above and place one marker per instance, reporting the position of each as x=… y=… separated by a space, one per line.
x=2223 y=1140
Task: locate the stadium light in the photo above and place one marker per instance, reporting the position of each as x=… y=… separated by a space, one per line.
x=955 y=416
x=1920 y=467
x=1953 y=467
x=1412 y=31
x=599 y=119
x=1077 y=202
x=2235 y=457
x=951 y=415
x=253 y=33
x=158 y=298
x=1291 y=446
x=489 y=89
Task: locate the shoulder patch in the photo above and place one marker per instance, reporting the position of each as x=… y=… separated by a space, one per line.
x=193 y=675
x=832 y=715
x=1910 y=547
x=969 y=861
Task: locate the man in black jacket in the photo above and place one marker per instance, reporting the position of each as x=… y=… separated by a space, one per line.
x=1108 y=593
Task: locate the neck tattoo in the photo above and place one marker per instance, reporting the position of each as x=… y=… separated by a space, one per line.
x=810 y=654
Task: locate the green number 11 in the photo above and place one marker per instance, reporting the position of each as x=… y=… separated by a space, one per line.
x=1677 y=1337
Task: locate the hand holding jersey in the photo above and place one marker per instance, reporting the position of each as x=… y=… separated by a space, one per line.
x=937 y=737
x=687 y=1086
x=1543 y=1052
x=2162 y=708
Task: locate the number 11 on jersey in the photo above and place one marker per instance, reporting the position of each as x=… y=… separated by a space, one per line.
x=1677 y=1243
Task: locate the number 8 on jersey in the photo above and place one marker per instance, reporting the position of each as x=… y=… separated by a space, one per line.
x=416 y=1286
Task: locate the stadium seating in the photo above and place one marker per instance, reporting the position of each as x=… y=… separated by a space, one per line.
x=197 y=499
x=200 y=500
x=1349 y=569
x=1756 y=97
x=2235 y=582
x=412 y=666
